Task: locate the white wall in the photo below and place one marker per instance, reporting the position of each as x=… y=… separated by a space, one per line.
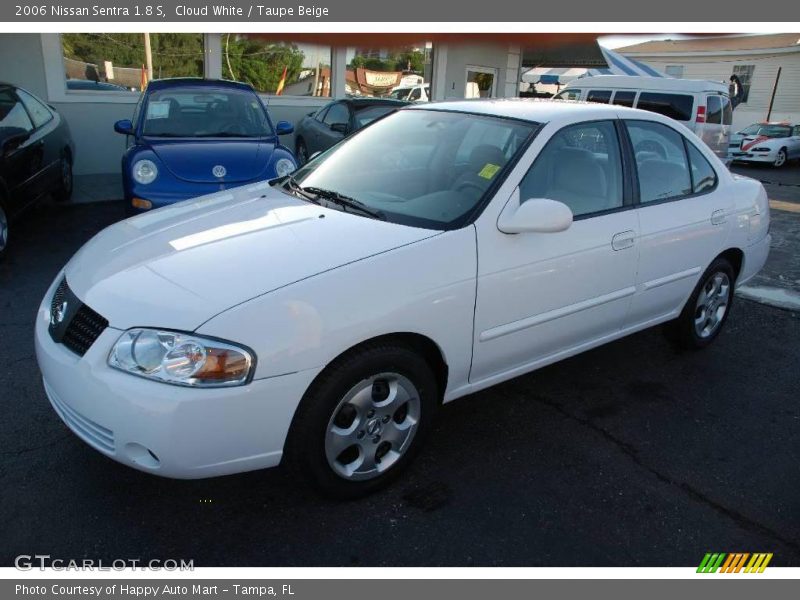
x=503 y=58
x=720 y=68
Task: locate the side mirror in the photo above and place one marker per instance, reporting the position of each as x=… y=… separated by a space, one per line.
x=284 y=128
x=339 y=127
x=14 y=141
x=124 y=127
x=537 y=215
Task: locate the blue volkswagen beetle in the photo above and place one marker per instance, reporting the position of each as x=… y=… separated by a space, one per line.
x=191 y=137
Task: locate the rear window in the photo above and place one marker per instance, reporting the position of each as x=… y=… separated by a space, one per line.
x=714 y=110
x=601 y=96
x=624 y=98
x=727 y=111
x=675 y=106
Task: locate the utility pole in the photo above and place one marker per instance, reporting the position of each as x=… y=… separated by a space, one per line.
x=148 y=57
x=774 y=90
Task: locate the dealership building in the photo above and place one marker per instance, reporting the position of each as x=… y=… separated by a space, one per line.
x=52 y=65
x=767 y=65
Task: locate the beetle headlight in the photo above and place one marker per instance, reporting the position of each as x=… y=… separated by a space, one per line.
x=145 y=171
x=181 y=358
x=283 y=167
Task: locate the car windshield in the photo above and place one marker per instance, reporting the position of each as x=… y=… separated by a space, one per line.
x=400 y=93
x=770 y=131
x=204 y=112
x=424 y=168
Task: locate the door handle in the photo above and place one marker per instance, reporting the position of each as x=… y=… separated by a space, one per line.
x=718 y=217
x=623 y=240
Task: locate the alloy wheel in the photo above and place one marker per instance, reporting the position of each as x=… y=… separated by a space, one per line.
x=712 y=304
x=66 y=175
x=372 y=426
x=781 y=159
x=3 y=229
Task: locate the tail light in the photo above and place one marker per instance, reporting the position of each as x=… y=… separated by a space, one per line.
x=701 y=114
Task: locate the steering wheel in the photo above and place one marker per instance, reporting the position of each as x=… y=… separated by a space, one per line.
x=470 y=184
x=651 y=146
x=231 y=126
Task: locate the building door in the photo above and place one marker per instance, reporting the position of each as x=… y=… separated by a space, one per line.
x=481 y=82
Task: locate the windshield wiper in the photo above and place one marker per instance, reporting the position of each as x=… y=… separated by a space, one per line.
x=345 y=202
x=295 y=187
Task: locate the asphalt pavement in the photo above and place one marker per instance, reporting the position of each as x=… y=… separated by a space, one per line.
x=632 y=454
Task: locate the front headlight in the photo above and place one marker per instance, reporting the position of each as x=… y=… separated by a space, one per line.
x=283 y=167
x=181 y=358
x=145 y=171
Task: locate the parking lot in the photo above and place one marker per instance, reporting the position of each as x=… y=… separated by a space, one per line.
x=630 y=454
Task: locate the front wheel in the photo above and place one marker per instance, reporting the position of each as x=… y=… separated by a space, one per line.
x=707 y=309
x=363 y=420
x=780 y=160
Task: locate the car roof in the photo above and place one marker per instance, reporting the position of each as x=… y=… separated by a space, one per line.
x=160 y=84
x=371 y=101
x=538 y=110
x=639 y=82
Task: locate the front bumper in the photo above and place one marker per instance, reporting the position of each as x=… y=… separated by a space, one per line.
x=166 y=197
x=167 y=430
x=762 y=157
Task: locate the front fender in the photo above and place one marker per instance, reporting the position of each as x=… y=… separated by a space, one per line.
x=427 y=288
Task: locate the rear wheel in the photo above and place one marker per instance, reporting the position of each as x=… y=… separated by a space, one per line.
x=363 y=420
x=780 y=160
x=301 y=152
x=707 y=309
x=65 y=184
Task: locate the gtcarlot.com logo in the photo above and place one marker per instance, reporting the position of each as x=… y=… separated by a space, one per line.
x=736 y=562
x=27 y=562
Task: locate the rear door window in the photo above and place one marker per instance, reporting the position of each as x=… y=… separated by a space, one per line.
x=661 y=161
x=38 y=111
x=704 y=178
x=714 y=110
x=601 y=96
x=624 y=98
x=675 y=106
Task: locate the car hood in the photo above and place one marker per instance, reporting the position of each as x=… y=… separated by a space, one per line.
x=195 y=161
x=179 y=266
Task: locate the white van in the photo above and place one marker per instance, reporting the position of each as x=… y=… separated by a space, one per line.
x=702 y=106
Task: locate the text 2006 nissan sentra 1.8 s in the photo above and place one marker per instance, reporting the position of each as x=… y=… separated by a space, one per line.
x=320 y=319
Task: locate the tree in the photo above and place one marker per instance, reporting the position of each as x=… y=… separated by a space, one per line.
x=261 y=63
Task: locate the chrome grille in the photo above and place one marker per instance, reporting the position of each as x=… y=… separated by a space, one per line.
x=72 y=322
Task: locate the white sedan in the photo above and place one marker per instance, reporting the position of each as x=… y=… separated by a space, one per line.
x=320 y=319
x=771 y=143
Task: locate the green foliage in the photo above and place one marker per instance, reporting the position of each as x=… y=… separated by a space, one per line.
x=174 y=54
x=260 y=63
x=407 y=59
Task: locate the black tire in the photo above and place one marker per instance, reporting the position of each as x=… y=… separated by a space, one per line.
x=305 y=451
x=781 y=162
x=63 y=192
x=683 y=331
x=301 y=152
x=4 y=228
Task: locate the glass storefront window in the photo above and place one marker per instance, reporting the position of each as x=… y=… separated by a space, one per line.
x=117 y=62
x=402 y=73
x=281 y=68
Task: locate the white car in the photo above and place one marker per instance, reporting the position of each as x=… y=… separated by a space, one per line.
x=772 y=143
x=321 y=319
